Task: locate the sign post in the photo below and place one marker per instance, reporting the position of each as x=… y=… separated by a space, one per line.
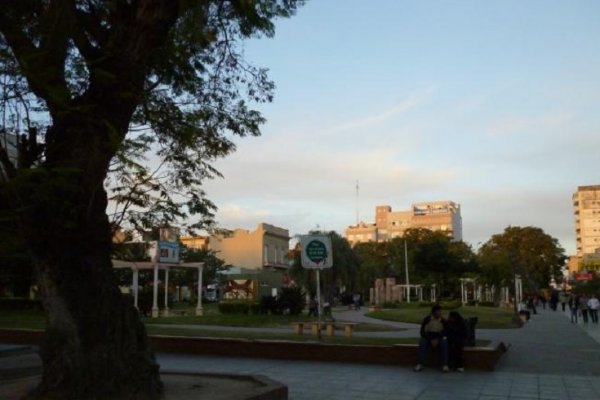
x=316 y=254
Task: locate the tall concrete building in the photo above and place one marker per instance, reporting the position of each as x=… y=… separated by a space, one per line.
x=441 y=216
x=586 y=204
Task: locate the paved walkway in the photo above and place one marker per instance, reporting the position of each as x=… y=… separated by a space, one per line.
x=549 y=358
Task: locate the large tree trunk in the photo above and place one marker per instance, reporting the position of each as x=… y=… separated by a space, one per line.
x=95 y=345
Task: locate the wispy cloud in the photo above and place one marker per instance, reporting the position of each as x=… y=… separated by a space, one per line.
x=536 y=124
x=394 y=111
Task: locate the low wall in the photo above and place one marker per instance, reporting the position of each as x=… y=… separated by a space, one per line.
x=475 y=358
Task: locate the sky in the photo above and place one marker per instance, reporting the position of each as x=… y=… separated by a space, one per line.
x=490 y=104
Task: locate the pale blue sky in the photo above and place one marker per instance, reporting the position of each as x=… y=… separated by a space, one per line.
x=492 y=104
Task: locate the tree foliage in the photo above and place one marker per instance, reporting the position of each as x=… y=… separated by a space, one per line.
x=91 y=86
x=527 y=251
x=342 y=273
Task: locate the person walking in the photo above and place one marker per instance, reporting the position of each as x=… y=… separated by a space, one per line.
x=544 y=301
x=593 y=305
x=573 y=305
x=356 y=301
x=563 y=298
x=554 y=300
x=531 y=304
x=312 y=307
x=433 y=335
x=583 y=308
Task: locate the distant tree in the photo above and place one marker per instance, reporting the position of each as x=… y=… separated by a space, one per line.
x=88 y=75
x=374 y=263
x=342 y=273
x=435 y=258
x=527 y=251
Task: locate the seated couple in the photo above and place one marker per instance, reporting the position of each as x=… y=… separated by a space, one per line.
x=447 y=336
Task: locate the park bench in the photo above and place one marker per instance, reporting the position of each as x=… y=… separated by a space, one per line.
x=329 y=327
x=298 y=327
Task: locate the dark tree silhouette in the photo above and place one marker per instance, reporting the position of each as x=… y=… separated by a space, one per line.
x=84 y=73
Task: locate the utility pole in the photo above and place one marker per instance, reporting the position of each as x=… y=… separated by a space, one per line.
x=406 y=271
x=357 y=219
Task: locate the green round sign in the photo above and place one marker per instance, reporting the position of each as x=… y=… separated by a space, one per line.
x=316 y=251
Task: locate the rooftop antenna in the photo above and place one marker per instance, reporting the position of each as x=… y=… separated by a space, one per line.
x=357 y=216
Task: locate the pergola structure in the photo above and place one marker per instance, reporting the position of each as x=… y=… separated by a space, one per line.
x=465 y=291
x=137 y=266
x=418 y=289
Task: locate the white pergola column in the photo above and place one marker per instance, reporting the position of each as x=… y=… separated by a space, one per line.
x=420 y=293
x=135 y=285
x=166 y=310
x=462 y=291
x=518 y=289
x=199 y=310
x=155 y=293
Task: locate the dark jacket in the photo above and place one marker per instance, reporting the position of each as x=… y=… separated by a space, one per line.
x=432 y=335
x=456 y=332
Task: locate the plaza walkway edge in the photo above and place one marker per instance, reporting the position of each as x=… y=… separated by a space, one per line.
x=476 y=358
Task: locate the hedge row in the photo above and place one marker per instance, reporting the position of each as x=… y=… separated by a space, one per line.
x=239 y=307
x=11 y=303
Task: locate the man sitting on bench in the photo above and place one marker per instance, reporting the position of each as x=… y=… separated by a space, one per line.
x=433 y=335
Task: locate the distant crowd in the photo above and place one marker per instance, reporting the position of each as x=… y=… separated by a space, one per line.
x=581 y=305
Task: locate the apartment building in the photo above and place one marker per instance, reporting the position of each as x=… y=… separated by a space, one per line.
x=436 y=216
x=586 y=205
x=265 y=247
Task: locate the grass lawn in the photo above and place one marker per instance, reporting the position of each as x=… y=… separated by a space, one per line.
x=489 y=317
x=23 y=319
x=36 y=320
x=212 y=316
x=30 y=319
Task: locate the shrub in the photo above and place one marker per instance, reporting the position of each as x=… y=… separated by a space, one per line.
x=269 y=305
x=450 y=304
x=486 y=304
x=390 y=304
x=15 y=303
x=239 y=307
x=346 y=299
x=291 y=300
x=145 y=299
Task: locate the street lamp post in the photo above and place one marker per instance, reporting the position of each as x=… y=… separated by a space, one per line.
x=406 y=271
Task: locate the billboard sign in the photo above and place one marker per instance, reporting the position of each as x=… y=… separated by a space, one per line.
x=168 y=252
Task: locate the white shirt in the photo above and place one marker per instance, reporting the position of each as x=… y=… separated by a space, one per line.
x=593 y=303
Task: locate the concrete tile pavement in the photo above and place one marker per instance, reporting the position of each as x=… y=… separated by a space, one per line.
x=549 y=358
x=317 y=380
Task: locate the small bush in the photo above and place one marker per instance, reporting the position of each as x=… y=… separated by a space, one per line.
x=269 y=305
x=390 y=304
x=450 y=304
x=427 y=304
x=239 y=307
x=291 y=300
x=346 y=299
x=20 y=304
x=486 y=304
